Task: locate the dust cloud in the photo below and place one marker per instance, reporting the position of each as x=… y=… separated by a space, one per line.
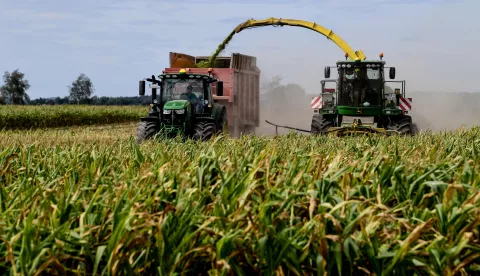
x=445 y=111
x=293 y=117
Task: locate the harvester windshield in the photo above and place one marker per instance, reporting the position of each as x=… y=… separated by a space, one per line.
x=361 y=87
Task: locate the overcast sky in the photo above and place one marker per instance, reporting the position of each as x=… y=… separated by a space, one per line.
x=432 y=43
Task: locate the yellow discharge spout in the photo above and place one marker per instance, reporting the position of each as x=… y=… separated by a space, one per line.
x=251 y=23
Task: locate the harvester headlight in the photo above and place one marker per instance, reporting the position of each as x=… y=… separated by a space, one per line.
x=180 y=111
x=348 y=65
x=368 y=65
x=167 y=111
x=343 y=66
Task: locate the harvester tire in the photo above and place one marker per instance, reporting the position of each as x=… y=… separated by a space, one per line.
x=146 y=130
x=320 y=124
x=203 y=131
x=403 y=125
x=415 y=129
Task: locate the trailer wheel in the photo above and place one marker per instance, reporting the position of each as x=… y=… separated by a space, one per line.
x=320 y=124
x=146 y=131
x=203 y=131
x=223 y=122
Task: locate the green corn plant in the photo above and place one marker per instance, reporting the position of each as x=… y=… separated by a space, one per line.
x=90 y=201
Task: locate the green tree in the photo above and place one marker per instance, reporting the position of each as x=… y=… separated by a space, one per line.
x=15 y=88
x=81 y=89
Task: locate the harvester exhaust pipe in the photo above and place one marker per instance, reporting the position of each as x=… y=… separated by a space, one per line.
x=141 y=88
x=154 y=89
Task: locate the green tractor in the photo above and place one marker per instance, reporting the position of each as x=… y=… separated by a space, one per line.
x=361 y=102
x=184 y=106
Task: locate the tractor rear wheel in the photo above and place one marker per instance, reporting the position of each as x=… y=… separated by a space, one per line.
x=402 y=124
x=204 y=131
x=320 y=124
x=146 y=130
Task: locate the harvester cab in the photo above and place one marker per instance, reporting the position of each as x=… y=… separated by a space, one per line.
x=359 y=103
x=184 y=106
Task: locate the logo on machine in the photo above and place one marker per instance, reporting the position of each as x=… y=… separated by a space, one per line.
x=359 y=111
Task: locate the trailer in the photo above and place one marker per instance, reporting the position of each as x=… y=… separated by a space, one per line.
x=241 y=87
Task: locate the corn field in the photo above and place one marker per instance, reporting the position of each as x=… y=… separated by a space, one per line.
x=31 y=117
x=92 y=202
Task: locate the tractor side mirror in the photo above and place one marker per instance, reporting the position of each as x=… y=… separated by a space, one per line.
x=392 y=73
x=220 y=88
x=141 y=88
x=327 y=72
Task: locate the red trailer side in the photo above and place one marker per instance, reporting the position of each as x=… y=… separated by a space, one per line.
x=241 y=87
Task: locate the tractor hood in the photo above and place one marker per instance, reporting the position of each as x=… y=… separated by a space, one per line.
x=176 y=104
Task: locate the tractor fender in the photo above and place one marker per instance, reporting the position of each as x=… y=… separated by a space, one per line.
x=217 y=111
x=149 y=118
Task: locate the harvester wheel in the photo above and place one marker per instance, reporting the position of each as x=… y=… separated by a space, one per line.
x=146 y=131
x=414 y=129
x=320 y=124
x=402 y=124
x=204 y=131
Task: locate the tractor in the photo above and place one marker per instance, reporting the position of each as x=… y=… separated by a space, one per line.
x=184 y=106
x=360 y=102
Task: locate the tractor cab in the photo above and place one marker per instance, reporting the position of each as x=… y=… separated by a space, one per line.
x=178 y=91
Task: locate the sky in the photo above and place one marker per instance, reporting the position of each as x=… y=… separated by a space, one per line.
x=432 y=44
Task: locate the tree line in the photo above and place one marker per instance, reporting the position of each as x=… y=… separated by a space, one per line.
x=274 y=95
x=14 y=91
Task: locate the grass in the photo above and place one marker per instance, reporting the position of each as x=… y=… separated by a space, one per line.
x=90 y=201
x=32 y=117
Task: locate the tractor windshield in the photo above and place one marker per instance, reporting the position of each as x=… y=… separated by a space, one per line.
x=360 y=87
x=183 y=89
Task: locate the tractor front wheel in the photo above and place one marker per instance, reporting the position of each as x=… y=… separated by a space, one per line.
x=203 y=131
x=320 y=124
x=146 y=131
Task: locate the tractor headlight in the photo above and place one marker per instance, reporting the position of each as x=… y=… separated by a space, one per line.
x=167 y=111
x=180 y=111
